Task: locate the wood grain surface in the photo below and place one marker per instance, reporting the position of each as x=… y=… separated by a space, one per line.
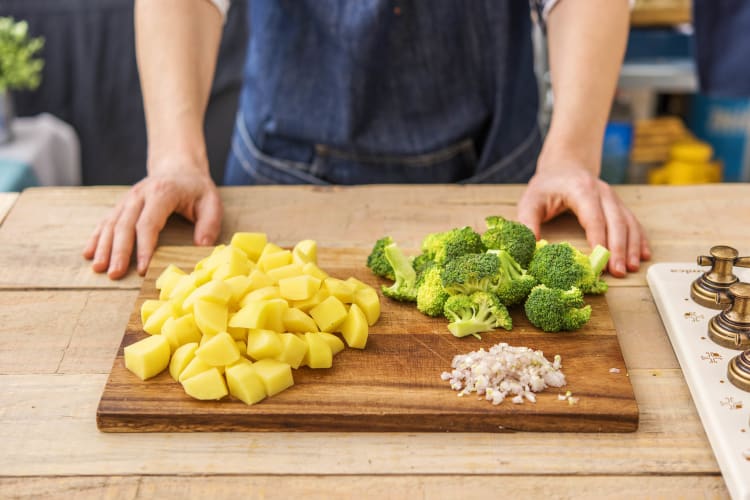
x=392 y=385
x=61 y=326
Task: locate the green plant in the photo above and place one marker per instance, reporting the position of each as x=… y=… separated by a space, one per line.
x=19 y=69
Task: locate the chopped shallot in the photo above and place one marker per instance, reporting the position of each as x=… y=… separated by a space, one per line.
x=504 y=370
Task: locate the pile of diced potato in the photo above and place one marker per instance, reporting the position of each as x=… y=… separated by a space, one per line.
x=245 y=316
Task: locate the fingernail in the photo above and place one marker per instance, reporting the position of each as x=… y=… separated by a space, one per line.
x=635 y=262
x=114 y=268
x=205 y=241
x=620 y=266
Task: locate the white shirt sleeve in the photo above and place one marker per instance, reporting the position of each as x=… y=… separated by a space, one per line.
x=223 y=6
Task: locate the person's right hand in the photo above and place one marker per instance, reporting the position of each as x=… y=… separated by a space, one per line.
x=139 y=217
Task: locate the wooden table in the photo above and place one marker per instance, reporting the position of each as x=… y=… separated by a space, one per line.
x=61 y=324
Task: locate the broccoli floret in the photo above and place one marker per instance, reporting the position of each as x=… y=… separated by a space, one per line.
x=443 y=247
x=421 y=263
x=553 y=309
x=377 y=262
x=516 y=283
x=559 y=265
x=431 y=295
x=471 y=273
x=515 y=238
x=476 y=313
x=405 y=287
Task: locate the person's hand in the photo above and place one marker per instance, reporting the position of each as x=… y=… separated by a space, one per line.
x=139 y=217
x=603 y=216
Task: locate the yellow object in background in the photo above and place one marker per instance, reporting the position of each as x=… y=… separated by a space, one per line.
x=689 y=163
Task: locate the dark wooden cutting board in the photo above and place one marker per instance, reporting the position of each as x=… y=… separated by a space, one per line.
x=392 y=385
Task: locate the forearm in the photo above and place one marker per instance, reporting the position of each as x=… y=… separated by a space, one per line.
x=586 y=45
x=176 y=46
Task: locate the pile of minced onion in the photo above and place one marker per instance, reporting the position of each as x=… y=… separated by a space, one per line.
x=504 y=370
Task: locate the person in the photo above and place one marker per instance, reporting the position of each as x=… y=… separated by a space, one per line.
x=378 y=91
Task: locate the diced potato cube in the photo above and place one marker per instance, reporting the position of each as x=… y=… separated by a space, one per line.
x=168 y=279
x=237 y=333
x=335 y=343
x=276 y=375
x=201 y=276
x=237 y=264
x=357 y=284
x=250 y=243
x=239 y=285
x=220 y=350
x=205 y=338
x=265 y=293
x=184 y=287
x=306 y=357
x=306 y=305
x=245 y=384
x=299 y=287
x=367 y=299
x=354 y=329
x=269 y=261
x=319 y=354
x=156 y=320
x=148 y=307
x=305 y=251
x=263 y=344
x=194 y=367
x=329 y=314
x=297 y=321
x=313 y=270
x=275 y=317
x=211 y=317
x=148 y=357
x=259 y=279
x=180 y=331
x=242 y=347
x=181 y=358
x=340 y=289
x=207 y=385
x=270 y=248
x=243 y=360
x=279 y=273
x=219 y=256
x=293 y=349
x=252 y=315
x=215 y=291
x=201 y=263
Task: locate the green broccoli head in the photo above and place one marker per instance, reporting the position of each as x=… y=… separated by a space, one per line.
x=513 y=237
x=431 y=295
x=516 y=283
x=421 y=263
x=471 y=273
x=476 y=313
x=404 y=289
x=443 y=247
x=377 y=262
x=560 y=265
x=553 y=309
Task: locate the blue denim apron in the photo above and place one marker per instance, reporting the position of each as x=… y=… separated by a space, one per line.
x=384 y=91
x=722 y=36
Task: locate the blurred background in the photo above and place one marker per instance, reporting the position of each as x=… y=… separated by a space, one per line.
x=90 y=82
x=681 y=114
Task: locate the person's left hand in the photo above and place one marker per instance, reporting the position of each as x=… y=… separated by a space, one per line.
x=603 y=216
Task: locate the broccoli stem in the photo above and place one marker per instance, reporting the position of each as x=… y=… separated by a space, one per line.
x=598 y=259
x=401 y=264
x=463 y=328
